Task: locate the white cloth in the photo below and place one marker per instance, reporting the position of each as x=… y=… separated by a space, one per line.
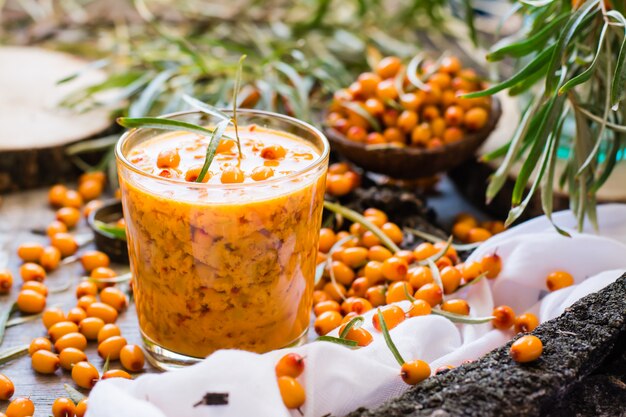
x=338 y=380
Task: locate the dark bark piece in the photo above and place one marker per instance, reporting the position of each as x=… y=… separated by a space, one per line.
x=576 y=344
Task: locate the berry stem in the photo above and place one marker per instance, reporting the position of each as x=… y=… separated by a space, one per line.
x=392 y=347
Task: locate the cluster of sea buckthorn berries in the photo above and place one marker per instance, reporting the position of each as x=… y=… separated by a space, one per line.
x=467 y=229
x=341 y=179
x=288 y=369
x=368 y=275
x=430 y=116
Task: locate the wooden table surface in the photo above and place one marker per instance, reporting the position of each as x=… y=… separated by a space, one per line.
x=22 y=212
x=19 y=213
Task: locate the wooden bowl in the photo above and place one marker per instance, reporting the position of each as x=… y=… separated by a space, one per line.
x=410 y=162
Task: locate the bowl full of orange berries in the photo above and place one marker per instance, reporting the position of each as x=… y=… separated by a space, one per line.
x=411 y=120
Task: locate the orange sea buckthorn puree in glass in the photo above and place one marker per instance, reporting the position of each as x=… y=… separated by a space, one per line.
x=229 y=262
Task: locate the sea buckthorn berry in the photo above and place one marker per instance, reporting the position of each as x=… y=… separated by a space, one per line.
x=90 y=326
x=361 y=336
x=6 y=281
x=407 y=120
x=52 y=316
x=192 y=174
x=475 y=118
x=354 y=257
x=431 y=293
x=273 y=152
x=450 y=253
x=343 y=274
x=527 y=322
x=45 y=362
x=65 y=243
x=375 y=138
x=55 y=227
x=232 y=175
x=414 y=372
x=97 y=176
x=453 y=116
x=348 y=317
x=81 y=408
x=419 y=308
x=443 y=262
x=397 y=291
x=450 y=65
x=111 y=347
x=451 y=279
x=393 y=316
x=116 y=373
x=369 y=239
x=132 y=358
x=471 y=270
x=338 y=168
x=424 y=250
x=368 y=82
x=85 y=301
x=491 y=265
x=68 y=215
x=70 y=356
x=504 y=317
x=376 y=295
x=388 y=67
x=114 y=297
x=32 y=272
x=559 y=279
x=456 y=306
x=102 y=272
x=478 y=234
x=419 y=276
x=338 y=185
x=356 y=305
x=50 y=258
x=107 y=331
x=7 y=389
x=168 y=158
x=410 y=101
x=319 y=296
x=378 y=253
x=526 y=349
x=324 y=306
x=103 y=311
x=36 y=286
x=386 y=90
x=406 y=255
x=438 y=127
x=261 y=173
x=374 y=106
x=56 y=195
x=30 y=302
x=76 y=315
x=60 y=329
x=421 y=134
x=225 y=145
x=326 y=322
x=359 y=287
x=75 y=340
x=39 y=343
x=90 y=189
x=72 y=199
x=327 y=239
x=30 y=251
x=394 y=269
x=336 y=291
x=291 y=392
x=356 y=133
x=452 y=135
x=85 y=375
x=93 y=259
x=443 y=369
x=63 y=407
x=461 y=230
x=86 y=288
x=91 y=206
x=20 y=407
x=374 y=272
x=291 y=365
x=378 y=217
x=497 y=227
x=393 y=232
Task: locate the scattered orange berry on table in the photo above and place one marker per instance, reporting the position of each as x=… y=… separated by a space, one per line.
x=90 y=189
x=65 y=243
x=132 y=358
x=63 y=407
x=291 y=365
x=559 y=279
x=107 y=331
x=393 y=315
x=81 y=408
x=93 y=259
x=36 y=286
x=527 y=322
x=52 y=316
x=291 y=392
x=55 y=227
x=85 y=301
x=86 y=288
x=414 y=372
x=398 y=291
x=45 y=362
x=71 y=356
x=456 y=306
x=32 y=272
x=75 y=340
x=76 y=314
x=30 y=302
x=324 y=306
x=72 y=199
x=114 y=297
x=491 y=265
x=60 y=329
x=116 y=373
x=69 y=216
x=526 y=349
x=419 y=308
x=39 y=343
x=6 y=281
x=20 y=407
x=85 y=375
x=431 y=293
x=103 y=311
x=56 y=195
x=50 y=258
x=326 y=322
x=361 y=336
x=30 y=251
x=90 y=326
x=7 y=389
x=450 y=278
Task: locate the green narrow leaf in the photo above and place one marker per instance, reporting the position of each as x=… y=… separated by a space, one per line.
x=164 y=124
x=4 y=319
x=235 y=93
x=141 y=107
x=436 y=274
x=115 y=231
x=618 y=92
x=611 y=160
x=438 y=255
x=205 y=107
x=411 y=73
x=74 y=394
x=211 y=149
x=12 y=353
x=355 y=107
x=530 y=44
x=586 y=75
x=337 y=340
x=598 y=119
x=101 y=63
x=567 y=34
x=469 y=21
x=458 y=318
x=354 y=323
x=392 y=347
x=537 y=64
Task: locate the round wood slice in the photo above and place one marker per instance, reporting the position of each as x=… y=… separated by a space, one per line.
x=472 y=177
x=34 y=129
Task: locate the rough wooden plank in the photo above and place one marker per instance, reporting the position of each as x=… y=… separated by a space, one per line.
x=18 y=214
x=575 y=345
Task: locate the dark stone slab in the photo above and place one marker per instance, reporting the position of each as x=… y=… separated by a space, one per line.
x=580 y=373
